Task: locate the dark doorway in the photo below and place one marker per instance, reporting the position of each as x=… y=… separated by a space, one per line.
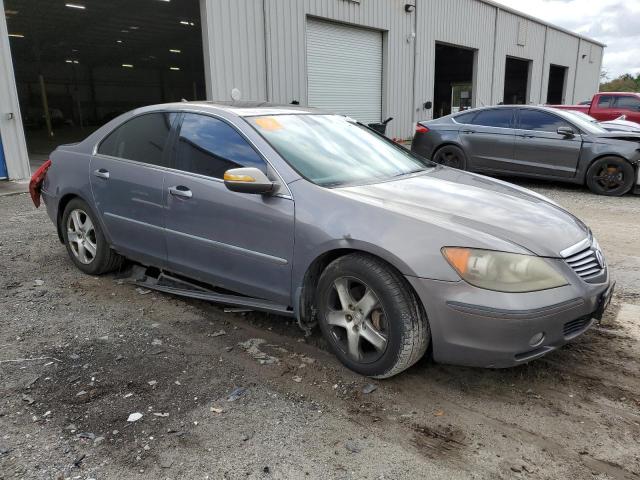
x=96 y=59
x=453 y=87
x=516 y=81
x=557 y=81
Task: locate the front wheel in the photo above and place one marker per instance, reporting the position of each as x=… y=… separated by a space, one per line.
x=610 y=176
x=370 y=317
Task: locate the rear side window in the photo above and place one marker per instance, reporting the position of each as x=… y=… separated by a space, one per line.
x=604 y=101
x=494 y=118
x=142 y=139
x=628 y=103
x=465 y=117
x=208 y=146
x=541 y=121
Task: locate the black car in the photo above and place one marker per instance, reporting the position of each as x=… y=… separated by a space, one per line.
x=536 y=142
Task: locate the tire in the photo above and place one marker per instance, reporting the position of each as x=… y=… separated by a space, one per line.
x=85 y=241
x=612 y=176
x=451 y=156
x=378 y=304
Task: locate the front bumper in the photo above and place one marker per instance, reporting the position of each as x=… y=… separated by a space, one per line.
x=481 y=328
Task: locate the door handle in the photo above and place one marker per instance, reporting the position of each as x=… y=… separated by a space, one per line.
x=468 y=131
x=527 y=136
x=180 y=191
x=101 y=173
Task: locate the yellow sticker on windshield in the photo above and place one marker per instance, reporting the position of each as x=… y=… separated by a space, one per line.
x=268 y=123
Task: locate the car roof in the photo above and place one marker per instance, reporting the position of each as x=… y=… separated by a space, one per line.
x=242 y=109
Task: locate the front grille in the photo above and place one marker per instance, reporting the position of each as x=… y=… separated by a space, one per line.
x=585 y=258
x=575 y=326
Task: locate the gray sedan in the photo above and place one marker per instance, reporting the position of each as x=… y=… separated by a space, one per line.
x=535 y=142
x=314 y=216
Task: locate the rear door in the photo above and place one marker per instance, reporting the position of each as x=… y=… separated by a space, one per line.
x=541 y=150
x=488 y=140
x=237 y=241
x=127 y=177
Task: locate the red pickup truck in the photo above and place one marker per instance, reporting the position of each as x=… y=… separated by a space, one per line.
x=609 y=106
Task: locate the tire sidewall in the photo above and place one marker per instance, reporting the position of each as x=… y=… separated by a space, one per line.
x=628 y=171
x=393 y=312
x=459 y=152
x=98 y=263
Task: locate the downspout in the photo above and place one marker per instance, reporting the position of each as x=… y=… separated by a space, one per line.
x=495 y=47
x=414 y=117
x=267 y=38
x=544 y=62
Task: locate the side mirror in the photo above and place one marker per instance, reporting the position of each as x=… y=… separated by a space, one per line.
x=248 y=180
x=566 y=131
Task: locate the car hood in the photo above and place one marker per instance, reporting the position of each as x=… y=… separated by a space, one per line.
x=463 y=201
x=630 y=136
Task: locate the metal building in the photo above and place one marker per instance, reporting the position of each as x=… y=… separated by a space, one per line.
x=370 y=59
x=451 y=53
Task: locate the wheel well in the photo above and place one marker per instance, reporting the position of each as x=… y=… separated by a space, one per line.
x=307 y=316
x=584 y=179
x=64 y=201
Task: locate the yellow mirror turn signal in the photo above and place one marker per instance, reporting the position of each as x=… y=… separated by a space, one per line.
x=230 y=177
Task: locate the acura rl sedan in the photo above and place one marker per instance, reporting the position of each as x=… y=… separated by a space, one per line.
x=534 y=142
x=317 y=217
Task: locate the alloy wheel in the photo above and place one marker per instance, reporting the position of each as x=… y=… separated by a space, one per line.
x=81 y=236
x=356 y=320
x=610 y=177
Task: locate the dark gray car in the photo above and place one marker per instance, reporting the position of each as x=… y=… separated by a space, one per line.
x=316 y=217
x=536 y=142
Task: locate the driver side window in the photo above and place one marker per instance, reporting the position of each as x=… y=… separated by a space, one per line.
x=209 y=146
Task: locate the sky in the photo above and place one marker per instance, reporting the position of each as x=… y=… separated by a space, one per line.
x=615 y=23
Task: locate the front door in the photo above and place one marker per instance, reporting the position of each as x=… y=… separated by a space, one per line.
x=488 y=140
x=541 y=150
x=127 y=181
x=240 y=242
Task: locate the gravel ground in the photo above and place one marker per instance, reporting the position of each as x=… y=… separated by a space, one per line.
x=80 y=354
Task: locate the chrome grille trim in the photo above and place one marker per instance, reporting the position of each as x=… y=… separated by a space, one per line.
x=582 y=258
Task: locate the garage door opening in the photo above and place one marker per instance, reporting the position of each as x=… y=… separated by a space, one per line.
x=516 y=81
x=89 y=61
x=557 y=85
x=454 y=76
x=344 y=70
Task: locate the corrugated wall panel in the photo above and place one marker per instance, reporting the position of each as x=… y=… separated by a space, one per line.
x=234 y=33
x=562 y=50
x=286 y=46
x=589 y=68
x=465 y=23
x=508 y=26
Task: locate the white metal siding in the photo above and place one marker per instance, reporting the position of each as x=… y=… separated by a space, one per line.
x=344 y=70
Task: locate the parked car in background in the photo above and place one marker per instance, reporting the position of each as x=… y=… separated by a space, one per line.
x=536 y=142
x=609 y=106
x=315 y=216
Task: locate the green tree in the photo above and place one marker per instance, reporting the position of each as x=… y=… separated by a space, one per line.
x=624 y=83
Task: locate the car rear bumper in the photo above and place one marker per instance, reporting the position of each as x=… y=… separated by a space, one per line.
x=481 y=328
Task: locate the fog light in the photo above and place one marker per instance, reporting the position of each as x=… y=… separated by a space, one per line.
x=537 y=339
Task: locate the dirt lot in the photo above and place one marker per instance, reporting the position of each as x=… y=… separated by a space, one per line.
x=79 y=354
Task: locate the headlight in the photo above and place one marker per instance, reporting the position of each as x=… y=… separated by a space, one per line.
x=503 y=272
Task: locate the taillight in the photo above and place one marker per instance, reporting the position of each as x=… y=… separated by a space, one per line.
x=421 y=128
x=35 y=185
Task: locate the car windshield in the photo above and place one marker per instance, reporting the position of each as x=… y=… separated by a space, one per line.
x=331 y=150
x=584 y=124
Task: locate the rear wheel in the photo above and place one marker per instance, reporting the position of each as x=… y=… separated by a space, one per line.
x=611 y=176
x=85 y=242
x=370 y=316
x=451 y=156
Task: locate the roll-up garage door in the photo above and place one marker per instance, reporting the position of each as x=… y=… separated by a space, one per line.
x=344 y=70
